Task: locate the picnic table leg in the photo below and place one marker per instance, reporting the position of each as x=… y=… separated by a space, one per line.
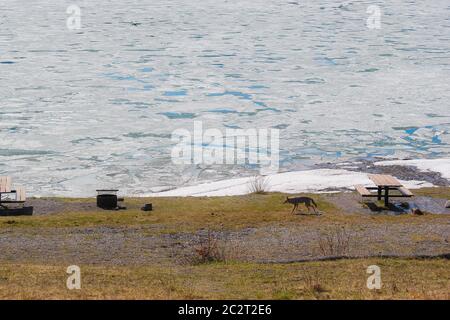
x=386 y=197
x=1 y=205
x=379 y=193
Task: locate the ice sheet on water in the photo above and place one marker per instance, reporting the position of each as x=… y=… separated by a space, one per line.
x=337 y=90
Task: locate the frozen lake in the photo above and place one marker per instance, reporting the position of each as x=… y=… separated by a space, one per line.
x=96 y=107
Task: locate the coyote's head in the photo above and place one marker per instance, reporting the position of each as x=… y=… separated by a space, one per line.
x=287 y=200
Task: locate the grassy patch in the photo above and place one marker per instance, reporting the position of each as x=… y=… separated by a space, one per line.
x=440 y=193
x=401 y=279
x=174 y=215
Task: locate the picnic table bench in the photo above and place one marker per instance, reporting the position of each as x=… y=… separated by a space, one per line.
x=13 y=195
x=383 y=185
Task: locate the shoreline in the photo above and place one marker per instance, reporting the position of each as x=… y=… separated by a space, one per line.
x=321 y=178
x=326 y=178
x=429 y=199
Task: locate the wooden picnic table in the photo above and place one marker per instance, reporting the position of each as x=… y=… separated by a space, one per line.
x=384 y=180
x=384 y=184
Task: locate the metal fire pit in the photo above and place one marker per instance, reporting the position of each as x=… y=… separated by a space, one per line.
x=107 y=199
x=147 y=207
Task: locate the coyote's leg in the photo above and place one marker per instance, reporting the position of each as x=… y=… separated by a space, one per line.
x=294 y=208
x=308 y=206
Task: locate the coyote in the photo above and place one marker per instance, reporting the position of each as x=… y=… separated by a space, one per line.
x=309 y=203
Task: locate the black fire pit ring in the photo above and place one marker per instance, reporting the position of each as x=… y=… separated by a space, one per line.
x=107 y=201
x=147 y=207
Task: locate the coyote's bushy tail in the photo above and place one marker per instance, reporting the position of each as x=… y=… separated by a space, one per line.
x=313 y=202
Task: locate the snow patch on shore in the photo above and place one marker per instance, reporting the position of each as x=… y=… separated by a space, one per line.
x=321 y=180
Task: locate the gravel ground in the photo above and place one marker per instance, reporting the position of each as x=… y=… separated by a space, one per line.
x=145 y=245
x=140 y=245
x=44 y=206
x=350 y=202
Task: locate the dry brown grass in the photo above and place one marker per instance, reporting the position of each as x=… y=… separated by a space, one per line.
x=345 y=279
x=335 y=241
x=208 y=250
x=258 y=185
x=440 y=193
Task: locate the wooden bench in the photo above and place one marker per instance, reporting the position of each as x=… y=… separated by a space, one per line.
x=20 y=194
x=405 y=192
x=5 y=184
x=13 y=195
x=363 y=191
